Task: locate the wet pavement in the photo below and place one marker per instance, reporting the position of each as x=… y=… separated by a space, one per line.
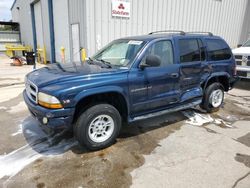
x=184 y=149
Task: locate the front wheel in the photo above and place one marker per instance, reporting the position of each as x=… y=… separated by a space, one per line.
x=98 y=126
x=213 y=97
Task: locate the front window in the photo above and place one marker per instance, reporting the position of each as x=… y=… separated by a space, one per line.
x=163 y=50
x=120 y=52
x=247 y=44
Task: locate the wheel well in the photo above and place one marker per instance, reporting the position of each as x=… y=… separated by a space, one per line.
x=113 y=98
x=223 y=80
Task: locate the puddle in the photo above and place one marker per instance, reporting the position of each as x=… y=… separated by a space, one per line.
x=19 y=131
x=109 y=167
x=39 y=145
x=17 y=108
x=3 y=108
x=199 y=119
x=15 y=161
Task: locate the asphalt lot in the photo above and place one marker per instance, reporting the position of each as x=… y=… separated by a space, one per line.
x=183 y=149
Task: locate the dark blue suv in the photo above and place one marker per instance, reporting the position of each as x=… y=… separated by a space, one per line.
x=131 y=79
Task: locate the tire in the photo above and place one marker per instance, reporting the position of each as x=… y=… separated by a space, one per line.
x=98 y=126
x=213 y=98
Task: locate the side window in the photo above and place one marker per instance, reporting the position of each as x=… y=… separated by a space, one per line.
x=162 y=49
x=189 y=50
x=217 y=50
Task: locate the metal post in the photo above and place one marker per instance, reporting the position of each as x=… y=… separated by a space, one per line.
x=33 y=31
x=51 y=29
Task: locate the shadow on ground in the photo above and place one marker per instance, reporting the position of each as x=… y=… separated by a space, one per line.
x=243 y=84
x=54 y=144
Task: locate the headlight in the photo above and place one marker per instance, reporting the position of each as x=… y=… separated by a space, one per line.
x=48 y=101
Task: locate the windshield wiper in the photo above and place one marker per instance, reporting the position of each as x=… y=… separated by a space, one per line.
x=97 y=62
x=108 y=64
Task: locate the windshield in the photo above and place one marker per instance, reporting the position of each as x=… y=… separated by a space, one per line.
x=119 y=52
x=247 y=43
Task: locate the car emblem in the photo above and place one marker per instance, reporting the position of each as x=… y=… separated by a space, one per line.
x=36 y=74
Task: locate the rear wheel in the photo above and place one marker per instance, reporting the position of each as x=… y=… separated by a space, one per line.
x=213 y=97
x=98 y=126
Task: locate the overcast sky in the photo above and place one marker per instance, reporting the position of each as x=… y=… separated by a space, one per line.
x=5 y=14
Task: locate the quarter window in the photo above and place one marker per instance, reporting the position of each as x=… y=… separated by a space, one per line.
x=218 y=50
x=189 y=50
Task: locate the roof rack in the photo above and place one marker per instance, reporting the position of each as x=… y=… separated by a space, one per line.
x=200 y=32
x=168 y=31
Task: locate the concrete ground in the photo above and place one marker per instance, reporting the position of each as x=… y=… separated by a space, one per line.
x=183 y=149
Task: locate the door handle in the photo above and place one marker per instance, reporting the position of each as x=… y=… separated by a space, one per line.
x=174 y=75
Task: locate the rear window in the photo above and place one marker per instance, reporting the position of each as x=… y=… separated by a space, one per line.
x=217 y=50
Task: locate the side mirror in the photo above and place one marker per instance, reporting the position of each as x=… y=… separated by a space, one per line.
x=151 y=61
x=239 y=45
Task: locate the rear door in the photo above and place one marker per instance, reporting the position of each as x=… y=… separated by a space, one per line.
x=191 y=55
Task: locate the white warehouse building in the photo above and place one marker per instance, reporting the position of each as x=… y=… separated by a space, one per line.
x=91 y=24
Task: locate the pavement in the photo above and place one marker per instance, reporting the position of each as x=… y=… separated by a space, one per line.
x=184 y=149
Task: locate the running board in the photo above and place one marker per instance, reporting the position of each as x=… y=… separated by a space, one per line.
x=174 y=109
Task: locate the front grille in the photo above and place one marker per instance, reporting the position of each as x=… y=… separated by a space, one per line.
x=31 y=90
x=242 y=60
x=238 y=62
x=238 y=57
x=242 y=73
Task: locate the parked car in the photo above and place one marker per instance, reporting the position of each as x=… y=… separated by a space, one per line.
x=131 y=79
x=242 y=57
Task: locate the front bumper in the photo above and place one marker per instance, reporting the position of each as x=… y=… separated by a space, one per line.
x=232 y=81
x=243 y=71
x=57 y=118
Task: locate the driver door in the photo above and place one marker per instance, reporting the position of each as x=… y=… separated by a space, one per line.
x=155 y=87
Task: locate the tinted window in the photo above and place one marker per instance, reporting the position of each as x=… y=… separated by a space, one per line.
x=217 y=50
x=189 y=50
x=162 y=49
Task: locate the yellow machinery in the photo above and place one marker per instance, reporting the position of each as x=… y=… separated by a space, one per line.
x=41 y=52
x=10 y=49
x=41 y=55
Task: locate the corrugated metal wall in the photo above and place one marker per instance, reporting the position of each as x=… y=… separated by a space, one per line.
x=222 y=17
x=23 y=17
x=245 y=34
x=12 y=37
x=227 y=18
x=77 y=15
x=61 y=29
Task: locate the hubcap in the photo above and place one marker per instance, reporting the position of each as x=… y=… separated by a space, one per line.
x=216 y=98
x=101 y=128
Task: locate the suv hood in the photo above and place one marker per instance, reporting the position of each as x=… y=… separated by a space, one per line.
x=241 y=50
x=56 y=73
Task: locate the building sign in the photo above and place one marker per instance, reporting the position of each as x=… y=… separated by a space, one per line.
x=120 y=8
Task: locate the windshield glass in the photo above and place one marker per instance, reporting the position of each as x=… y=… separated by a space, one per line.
x=247 y=44
x=120 y=52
